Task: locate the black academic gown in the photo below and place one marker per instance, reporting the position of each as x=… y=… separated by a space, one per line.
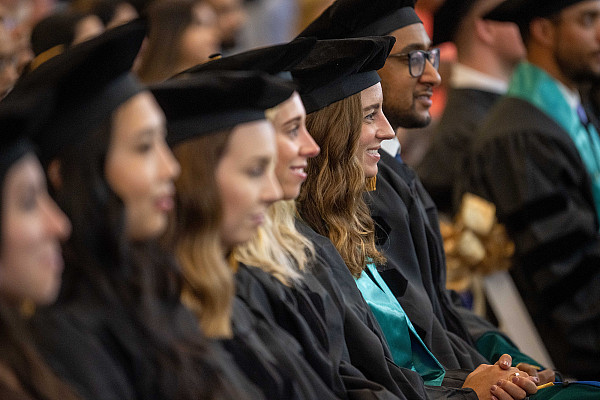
x=95 y=346
x=367 y=346
x=527 y=165
x=312 y=320
x=270 y=357
x=409 y=236
x=452 y=137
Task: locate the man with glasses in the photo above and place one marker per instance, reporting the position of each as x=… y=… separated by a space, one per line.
x=487 y=53
x=537 y=158
x=406 y=218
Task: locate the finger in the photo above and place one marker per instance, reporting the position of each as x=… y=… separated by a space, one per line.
x=526 y=384
x=546 y=376
x=499 y=393
x=513 y=390
x=505 y=361
x=529 y=369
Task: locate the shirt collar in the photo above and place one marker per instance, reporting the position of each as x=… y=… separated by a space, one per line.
x=466 y=77
x=571 y=96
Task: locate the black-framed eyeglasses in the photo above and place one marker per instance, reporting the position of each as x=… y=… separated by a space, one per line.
x=416 y=60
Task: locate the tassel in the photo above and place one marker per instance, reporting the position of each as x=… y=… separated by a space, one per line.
x=371 y=184
x=232 y=261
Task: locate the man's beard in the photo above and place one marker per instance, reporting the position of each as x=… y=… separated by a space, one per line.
x=577 y=71
x=407 y=119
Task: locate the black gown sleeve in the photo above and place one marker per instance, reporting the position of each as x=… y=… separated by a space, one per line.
x=530 y=169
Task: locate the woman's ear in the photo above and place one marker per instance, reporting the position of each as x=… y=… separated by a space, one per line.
x=54 y=174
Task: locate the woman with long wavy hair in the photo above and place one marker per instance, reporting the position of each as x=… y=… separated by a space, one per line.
x=346 y=120
x=118 y=329
x=223 y=195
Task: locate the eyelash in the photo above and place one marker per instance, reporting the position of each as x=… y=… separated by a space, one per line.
x=256 y=172
x=144 y=147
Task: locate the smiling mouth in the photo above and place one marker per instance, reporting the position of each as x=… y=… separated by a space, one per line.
x=373 y=152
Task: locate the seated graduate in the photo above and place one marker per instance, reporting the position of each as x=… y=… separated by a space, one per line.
x=31 y=229
x=406 y=218
x=118 y=329
x=347 y=122
x=310 y=292
x=227 y=151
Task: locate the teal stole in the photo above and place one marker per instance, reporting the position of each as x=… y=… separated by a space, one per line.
x=408 y=350
x=535 y=86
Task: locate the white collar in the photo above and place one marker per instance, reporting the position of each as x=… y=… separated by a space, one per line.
x=464 y=77
x=391 y=146
x=571 y=96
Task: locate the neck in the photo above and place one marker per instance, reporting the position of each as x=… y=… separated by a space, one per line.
x=544 y=59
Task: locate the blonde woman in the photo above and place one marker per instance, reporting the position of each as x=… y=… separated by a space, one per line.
x=227 y=152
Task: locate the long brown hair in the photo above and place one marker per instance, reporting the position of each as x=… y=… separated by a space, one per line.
x=160 y=55
x=331 y=199
x=208 y=280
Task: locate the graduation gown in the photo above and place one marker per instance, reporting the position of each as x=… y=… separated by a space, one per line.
x=528 y=166
x=452 y=137
x=367 y=346
x=408 y=234
x=95 y=347
x=311 y=318
x=269 y=357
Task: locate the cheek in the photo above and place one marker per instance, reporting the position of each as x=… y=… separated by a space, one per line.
x=132 y=188
x=24 y=273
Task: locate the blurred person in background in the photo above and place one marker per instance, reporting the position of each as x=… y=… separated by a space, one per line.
x=181 y=34
x=231 y=17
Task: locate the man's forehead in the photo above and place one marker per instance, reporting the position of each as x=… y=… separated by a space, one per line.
x=411 y=37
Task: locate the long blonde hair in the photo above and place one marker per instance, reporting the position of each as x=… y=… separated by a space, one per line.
x=208 y=280
x=331 y=200
x=278 y=248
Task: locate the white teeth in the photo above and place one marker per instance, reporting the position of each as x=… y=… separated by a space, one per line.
x=372 y=152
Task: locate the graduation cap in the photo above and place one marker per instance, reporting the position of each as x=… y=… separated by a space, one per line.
x=447 y=19
x=217 y=100
x=83 y=86
x=55 y=29
x=356 y=18
x=270 y=59
x=338 y=68
x=524 y=11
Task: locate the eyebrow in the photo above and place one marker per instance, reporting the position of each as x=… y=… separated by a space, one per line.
x=414 y=46
x=293 y=120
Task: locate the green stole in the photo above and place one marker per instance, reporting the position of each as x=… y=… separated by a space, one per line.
x=408 y=350
x=535 y=86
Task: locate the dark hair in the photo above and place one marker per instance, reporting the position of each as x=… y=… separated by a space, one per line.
x=167 y=20
x=20 y=356
x=139 y=279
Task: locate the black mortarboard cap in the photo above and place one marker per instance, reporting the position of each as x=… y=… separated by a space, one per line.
x=523 y=11
x=447 y=19
x=271 y=59
x=55 y=29
x=338 y=68
x=217 y=100
x=356 y=18
x=85 y=84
